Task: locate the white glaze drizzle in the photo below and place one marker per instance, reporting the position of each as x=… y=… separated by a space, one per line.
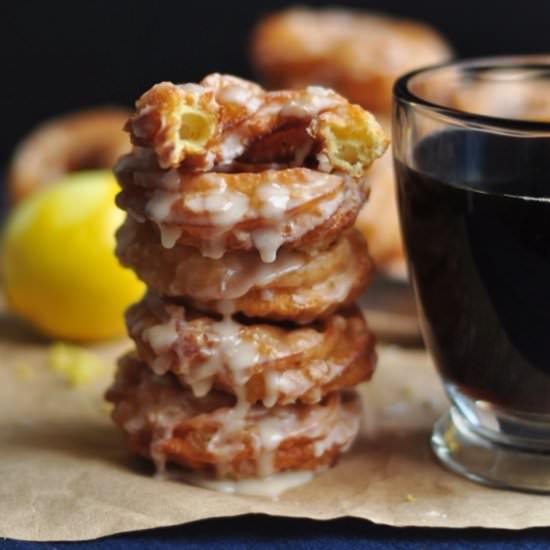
x=342 y=434
x=267 y=294
x=231 y=147
x=162 y=336
x=267 y=431
x=240 y=96
x=274 y=200
x=196 y=89
x=272 y=381
x=271 y=431
x=169 y=234
x=223 y=443
x=170 y=180
x=315 y=100
x=267 y=241
x=223 y=210
x=334 y=290
x=240 y=273
x=268 y=487
x=240 y=281
x=159 y=206
x=213 y=248
x=230 y=351
x=216 y=205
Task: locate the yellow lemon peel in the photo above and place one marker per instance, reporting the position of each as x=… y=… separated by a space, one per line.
x=60 y=271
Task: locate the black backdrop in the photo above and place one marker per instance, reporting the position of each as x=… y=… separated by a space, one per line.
x=60 y=55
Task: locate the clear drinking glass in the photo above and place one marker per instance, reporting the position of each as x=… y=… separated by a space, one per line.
x=471 y=144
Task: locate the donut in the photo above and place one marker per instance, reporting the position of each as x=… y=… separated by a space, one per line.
x=218 y=212
x=212 y=434
x=378 y=219
x=240 y=209
x=256 y=361
x=83 y=140
x=297 y=286
x=223 y=120
x=358 y=54
x=504 y=95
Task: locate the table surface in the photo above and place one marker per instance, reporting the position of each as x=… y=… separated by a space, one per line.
x=255 y=531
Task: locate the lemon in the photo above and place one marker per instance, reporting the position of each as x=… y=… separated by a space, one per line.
x=59 y=268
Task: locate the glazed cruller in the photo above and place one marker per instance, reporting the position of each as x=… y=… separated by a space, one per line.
x=240 y=209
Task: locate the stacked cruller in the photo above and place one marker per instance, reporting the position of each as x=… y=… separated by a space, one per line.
x=240 y=208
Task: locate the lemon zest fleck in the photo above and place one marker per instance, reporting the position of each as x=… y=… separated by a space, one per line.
x=105 y=408
x=24 y=371
x=77 y=365
x=450 y=439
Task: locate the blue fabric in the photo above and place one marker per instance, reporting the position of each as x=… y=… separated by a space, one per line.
x=278 y=533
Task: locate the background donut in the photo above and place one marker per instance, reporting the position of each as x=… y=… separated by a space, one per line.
x=84 y=140
x=357 y=53
x=360 y=54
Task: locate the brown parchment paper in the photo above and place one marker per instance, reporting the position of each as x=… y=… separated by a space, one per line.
x=65 y=474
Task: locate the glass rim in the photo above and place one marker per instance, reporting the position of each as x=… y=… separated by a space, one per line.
x=402 y=93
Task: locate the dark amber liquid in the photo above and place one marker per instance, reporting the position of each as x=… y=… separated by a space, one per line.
x=475 y=217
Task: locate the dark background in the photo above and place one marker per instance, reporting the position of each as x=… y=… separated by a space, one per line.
x=61 y=55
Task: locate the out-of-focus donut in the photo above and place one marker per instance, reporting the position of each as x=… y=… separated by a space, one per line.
x=504 y=95
x=358 y=54
x=259 y=361
x=298 y=286
x=219 y=212
x=89 y=139
x=212 y=434
x=222 y=120
x=378 y=220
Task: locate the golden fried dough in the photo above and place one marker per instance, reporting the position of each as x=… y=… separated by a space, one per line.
x=168 y=424
x=298 y=286
x=219 y=212
x=82 y=140
x=241 y=205
x=222 y=120
x=261 y=362
x=378 y=219
x=358 y=54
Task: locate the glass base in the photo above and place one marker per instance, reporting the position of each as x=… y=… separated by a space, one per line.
x=486 y=461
